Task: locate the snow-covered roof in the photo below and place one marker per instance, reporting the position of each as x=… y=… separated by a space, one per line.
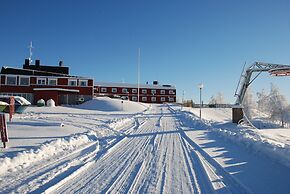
x=56 y=89
x=127 y=85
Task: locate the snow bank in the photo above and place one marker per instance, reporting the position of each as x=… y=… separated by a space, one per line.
x=45 y=151
x=243 y=135
x=255 y=142
x=121 y=124
x=109 y=104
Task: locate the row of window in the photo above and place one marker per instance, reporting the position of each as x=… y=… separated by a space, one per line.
x=143 y=91
x=153 y=99
x=25 y=81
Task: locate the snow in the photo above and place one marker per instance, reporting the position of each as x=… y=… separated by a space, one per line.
x=108 y=104
x=22 y=100
x=274 y=142
x=3 y=103
x=102 y=147
x=50 y=103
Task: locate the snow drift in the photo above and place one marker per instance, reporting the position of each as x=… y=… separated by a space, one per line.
x=109 y=104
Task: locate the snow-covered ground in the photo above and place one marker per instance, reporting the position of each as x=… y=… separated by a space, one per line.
x=106 y=146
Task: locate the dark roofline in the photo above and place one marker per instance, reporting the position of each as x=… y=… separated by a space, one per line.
x=17 y=71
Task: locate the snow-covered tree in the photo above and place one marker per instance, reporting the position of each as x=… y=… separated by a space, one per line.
x=218 y=99
x=249 y=103
x=277 y=104
x=263 y=101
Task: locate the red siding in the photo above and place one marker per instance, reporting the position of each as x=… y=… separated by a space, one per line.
x=32 y=80
x=62 y=81
x=46 y=95
x=90 y=82
x=130 y=94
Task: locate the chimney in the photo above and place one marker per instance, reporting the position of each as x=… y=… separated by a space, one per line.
x=37 y=63
x=60 y=63
x=26 y=62
x=155 y=82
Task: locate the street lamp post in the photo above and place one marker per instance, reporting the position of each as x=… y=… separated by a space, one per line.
x=200 y=86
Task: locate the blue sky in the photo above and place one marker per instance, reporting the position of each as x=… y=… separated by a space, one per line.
x=183 y=42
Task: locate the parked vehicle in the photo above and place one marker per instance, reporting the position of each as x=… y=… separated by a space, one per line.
x=20 y=103
x=3 y=105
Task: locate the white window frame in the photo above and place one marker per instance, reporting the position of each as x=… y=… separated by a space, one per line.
x=14 y=76
x=134 y=90
x=153 y=99
x=71 y=81
x=144 y=99
x=134 y=98
x=171 y=92
x=162 y=99
x=125 y=90
x=162 y=91
x=84 y=81
x=41 y=79
x=52 y=79
x=144 y=91
x=170 y=99
x=114 y=90
x=20 y=77
x=153 y=91
x=103 y=90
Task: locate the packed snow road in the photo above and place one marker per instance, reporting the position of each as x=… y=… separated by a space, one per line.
x=156 y=157
x=153 y=154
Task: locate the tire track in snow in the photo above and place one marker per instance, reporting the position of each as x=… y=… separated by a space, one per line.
x=45 y=174
x=106 y=171
x=213 y=170
x=210 y=174
x=29 y=179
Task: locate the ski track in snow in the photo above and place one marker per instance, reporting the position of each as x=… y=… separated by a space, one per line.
x=148 y=153
x=156 y=157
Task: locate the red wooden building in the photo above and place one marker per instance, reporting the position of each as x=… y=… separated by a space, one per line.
x=35 y=82
x=147 y=93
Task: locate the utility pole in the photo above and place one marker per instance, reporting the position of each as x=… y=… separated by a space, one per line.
x=182 y=96
x=200 y=86
x=138 y=73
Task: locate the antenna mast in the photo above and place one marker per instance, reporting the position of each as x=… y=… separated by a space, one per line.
x=138 y=74
x=30 y=52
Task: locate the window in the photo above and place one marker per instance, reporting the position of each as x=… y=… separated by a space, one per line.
x=162 y=91
x=124 y=90
x=52 y=82
x=103 y=90
x=11 y=80
x=144 y=99
x=144 y=91
x=24 y=81
x=171 y=92
x=114 y=90
x=153 y=92
x=153 y=99
x=162 y=99
x=41 y=81
x=134 y=90
x=171 y=99
x=134 y=98
x=72 y=82
x=83 y=83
